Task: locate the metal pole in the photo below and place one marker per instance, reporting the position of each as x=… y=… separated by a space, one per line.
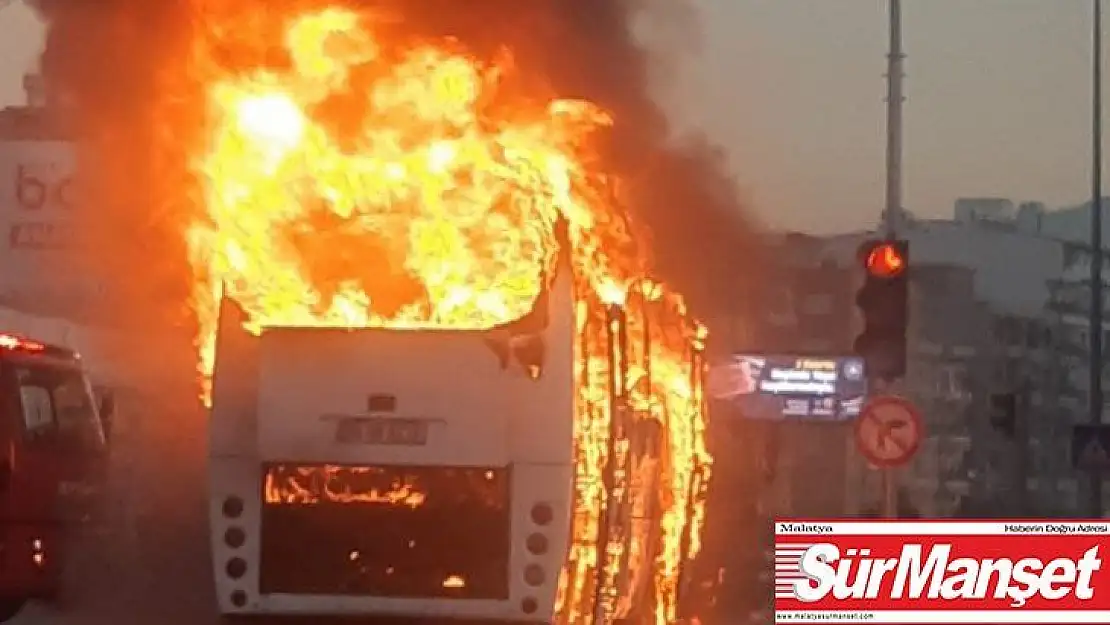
x=892 y=215
x=1095 y=332
x=890 y=494
x=888 y=480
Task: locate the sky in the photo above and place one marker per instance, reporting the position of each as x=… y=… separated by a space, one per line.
x=998 y=101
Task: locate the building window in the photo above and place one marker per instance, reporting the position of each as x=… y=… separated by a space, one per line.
x=953 y=381
x=1008 y=331
x=1079 y=337
x=951 y=460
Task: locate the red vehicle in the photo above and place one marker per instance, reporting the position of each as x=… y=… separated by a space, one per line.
x=53 y=449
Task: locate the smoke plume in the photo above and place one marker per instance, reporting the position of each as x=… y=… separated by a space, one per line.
x=109 y=59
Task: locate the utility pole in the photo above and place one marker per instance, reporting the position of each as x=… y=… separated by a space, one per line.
x=892 y=212
x=1095 y=331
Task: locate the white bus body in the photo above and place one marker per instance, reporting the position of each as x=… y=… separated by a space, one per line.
x=391 y=472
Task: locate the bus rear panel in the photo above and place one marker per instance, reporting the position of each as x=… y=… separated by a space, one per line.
x=391 y=472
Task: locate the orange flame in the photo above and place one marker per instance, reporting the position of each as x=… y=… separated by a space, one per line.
x=365 y=183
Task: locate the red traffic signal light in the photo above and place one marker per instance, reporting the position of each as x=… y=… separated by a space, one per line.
x=883 y=304
x=885 y=260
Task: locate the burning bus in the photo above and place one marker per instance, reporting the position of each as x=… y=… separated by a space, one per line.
x=442 y=473
x=441 y=380
x=407 y=472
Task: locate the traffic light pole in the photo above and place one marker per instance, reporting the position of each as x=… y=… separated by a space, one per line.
x=892 y=214
x=1095 y=331
x=888 y=480
x=890 y=494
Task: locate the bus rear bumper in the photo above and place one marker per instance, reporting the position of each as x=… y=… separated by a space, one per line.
x=292 y=609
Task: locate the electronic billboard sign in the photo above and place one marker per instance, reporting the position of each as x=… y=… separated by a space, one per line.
x=790 y=387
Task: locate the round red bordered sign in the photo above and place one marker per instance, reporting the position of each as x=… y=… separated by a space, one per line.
x=889 y=431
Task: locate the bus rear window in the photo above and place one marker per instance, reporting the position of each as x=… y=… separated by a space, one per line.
x=386 y=531
x=387 y=485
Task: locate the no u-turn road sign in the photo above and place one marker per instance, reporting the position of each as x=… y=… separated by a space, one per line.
x=889 y=431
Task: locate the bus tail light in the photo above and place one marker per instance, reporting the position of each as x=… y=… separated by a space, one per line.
x=537 y=544
x=235 y=537
x=529 y=605
x=236 y=568
x=233 y=507
x=542 y=514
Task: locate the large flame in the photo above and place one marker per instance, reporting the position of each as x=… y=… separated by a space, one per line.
x=360 y=182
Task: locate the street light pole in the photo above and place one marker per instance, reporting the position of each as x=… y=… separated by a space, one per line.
x=892 y=213
x=1095 y=397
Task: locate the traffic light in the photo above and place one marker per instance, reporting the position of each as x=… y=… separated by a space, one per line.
x=884 y=306
x=1003 y=413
